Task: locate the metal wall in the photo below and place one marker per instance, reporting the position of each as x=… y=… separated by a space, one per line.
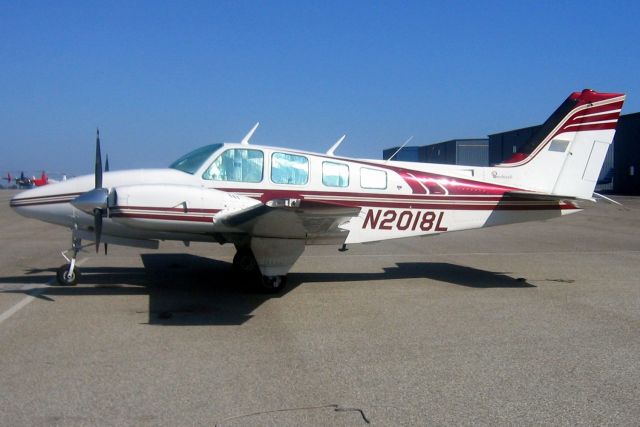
x=472 y=152
x=605 y=179
x=626 y=155
x=442 y=152
x=407 y=154
x=505 y=144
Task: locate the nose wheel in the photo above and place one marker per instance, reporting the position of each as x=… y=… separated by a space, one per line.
x=69 y=274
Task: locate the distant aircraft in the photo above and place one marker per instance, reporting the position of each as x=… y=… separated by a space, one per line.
x=26 y=182
x=270 y=202
x=43 y=180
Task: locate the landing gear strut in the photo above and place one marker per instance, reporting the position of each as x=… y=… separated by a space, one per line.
x=244 y=263
x=69 y=274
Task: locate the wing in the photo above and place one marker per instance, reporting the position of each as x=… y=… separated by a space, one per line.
x=316 y=222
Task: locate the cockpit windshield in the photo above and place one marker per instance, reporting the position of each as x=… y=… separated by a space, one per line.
x=191 y=162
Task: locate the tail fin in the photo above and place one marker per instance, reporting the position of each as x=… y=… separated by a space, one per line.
x=565 y=156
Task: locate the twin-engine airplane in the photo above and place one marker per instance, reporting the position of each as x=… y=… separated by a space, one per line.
x=271 y=202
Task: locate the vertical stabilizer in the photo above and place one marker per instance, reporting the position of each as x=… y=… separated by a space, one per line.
x=565 y=156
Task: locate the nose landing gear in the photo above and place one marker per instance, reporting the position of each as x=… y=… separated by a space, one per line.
x=69 y=274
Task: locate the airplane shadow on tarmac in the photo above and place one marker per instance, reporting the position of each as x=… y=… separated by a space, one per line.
x=186 y=289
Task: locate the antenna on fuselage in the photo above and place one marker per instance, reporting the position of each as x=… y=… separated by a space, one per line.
x=336 y=145
x=401 y=147
x=247 y=137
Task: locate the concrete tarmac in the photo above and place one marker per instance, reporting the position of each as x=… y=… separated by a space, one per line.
x=535 y=323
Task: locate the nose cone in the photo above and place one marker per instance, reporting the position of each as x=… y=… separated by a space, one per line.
x=26 y=202
x=21 y=199
x=44 y=204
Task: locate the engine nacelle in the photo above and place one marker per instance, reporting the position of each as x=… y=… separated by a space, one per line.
x=173 y=208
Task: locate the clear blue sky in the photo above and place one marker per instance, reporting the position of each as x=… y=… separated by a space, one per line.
x=161 y=78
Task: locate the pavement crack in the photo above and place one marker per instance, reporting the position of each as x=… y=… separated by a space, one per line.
x=560 y=280
x=336 y=408
x=364 y=417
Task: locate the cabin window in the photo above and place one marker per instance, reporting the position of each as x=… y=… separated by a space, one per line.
x=373 y=178
x=335 y=174
x=289 y=169
x=238 y=165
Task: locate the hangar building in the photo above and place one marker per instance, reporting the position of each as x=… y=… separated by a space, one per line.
x=473 y=152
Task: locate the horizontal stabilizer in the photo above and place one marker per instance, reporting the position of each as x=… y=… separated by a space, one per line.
x=539 y=196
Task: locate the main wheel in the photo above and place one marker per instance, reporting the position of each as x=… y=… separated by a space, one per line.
x=65 y=278
x=244 y=262
x=274 y=284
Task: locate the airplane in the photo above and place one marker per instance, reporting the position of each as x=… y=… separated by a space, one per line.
x=25 y=182
x=43 y=180
x=271 y=202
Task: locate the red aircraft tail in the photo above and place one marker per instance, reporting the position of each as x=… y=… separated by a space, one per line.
x=43 y=180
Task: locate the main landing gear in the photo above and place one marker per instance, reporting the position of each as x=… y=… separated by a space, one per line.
x=245 y=265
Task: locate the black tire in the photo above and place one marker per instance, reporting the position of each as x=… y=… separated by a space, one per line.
x=64 y=279
x=244 y=262
x=274 y=284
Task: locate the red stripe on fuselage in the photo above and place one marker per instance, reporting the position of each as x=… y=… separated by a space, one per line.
x=163 y=209
x=162 y=217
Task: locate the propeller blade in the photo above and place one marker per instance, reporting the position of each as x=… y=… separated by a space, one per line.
x=97 y=226
x=105 y=248
x=106 y=164
x=98 y=169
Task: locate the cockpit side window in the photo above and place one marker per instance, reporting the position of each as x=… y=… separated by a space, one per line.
x=238 y=165
x=191 y=162
x=289 y=169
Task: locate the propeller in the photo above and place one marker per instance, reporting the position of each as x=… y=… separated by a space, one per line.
x=106 y=169
x=94 y=202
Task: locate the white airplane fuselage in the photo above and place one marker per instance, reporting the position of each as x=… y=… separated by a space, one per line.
x=270 y=202
x=169 y=204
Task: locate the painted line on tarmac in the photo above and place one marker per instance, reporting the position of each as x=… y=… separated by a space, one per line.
x=30 y=297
